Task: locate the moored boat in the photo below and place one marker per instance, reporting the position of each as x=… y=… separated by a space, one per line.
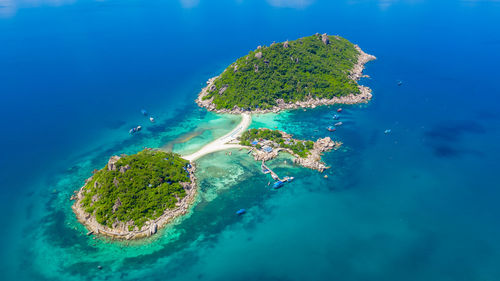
x=278 y=184
x=338 y=124
x=339 y=110
x=151 y=119
x=331 y=129
x=241 y=211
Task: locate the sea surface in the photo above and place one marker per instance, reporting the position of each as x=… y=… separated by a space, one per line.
x=420 y=203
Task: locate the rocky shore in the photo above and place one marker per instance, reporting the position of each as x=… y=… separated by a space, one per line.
x=120 y=229
x=312 y=161
x=356 y=73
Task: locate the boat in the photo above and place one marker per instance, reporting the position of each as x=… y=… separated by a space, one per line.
x=331 y=129
x=400 y=83
x=144 y=112
x=151 y=119
x=138 y=128
x=241 y=212
x=339 y=110
x=131 y=131
x=335 y=117
x=387 y=131
x=278 y=184
x=338 y=124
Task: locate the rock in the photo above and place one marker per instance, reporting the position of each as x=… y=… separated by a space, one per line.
x=256 y=68
x=212 y=88
x=325 y=39
x=259 y=47
x=112 y=163
x=285 y=45
x=115 y=182
x=90 y=233
x=235 y=68
x=258 y=55
x=125 y=168
x=153 y=229
x=326 y=176
x=117 y=204
x=223 y=89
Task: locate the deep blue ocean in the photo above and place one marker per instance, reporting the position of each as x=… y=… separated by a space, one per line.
x=420 y=203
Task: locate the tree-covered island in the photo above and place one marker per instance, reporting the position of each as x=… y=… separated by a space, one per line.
x=134 y=195
x=310 y=71
x=265 y=144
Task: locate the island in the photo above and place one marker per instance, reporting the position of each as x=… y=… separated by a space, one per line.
x=265 y=144
x=307 y=72
x=135 y=195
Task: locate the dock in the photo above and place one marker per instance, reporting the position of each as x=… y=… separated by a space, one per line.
x=266 y=170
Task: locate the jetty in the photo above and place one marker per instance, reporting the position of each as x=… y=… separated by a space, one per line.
x=267 y=170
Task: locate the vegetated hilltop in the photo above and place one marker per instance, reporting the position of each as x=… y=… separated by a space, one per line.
x=133 y=191
x=314 y=67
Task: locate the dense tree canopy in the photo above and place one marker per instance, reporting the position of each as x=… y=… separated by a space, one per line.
x=147 y=186
x=292 y=71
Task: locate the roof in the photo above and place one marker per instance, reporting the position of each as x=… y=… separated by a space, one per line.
x=267 y=148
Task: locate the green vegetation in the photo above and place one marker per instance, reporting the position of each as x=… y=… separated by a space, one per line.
x=307 y=67
x=301 y=148
x=143 y=192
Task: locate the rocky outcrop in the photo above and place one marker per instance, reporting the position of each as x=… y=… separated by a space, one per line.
x=325 y=39
x=313 y=160
x=112 y=163
x=223 y=89
x=258 y=55
x=117 y=204
x=363 y=58
x=125 y=168
x=285 y=44
x=120 y=230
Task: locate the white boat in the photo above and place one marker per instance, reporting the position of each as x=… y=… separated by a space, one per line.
x=151 y=119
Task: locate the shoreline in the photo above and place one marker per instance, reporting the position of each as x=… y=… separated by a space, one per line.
x=230 y=141
x=313 y=160
x=151 y=227
x=224 y=142
x=356 y=73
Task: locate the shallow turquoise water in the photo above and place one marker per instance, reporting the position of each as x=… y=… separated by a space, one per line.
x=417 y=204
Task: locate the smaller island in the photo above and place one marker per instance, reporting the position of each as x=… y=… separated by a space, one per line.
x=265 y=144
x=135 y=195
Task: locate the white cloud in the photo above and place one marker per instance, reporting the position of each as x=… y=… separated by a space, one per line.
x=189 y=3
x=8 y=8
x=290 y=3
